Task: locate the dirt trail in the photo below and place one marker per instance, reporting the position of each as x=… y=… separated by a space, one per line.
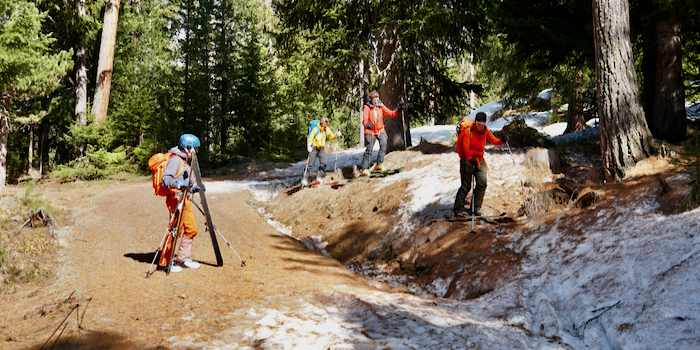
x=110 y=240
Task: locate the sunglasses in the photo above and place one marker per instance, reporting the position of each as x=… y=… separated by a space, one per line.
x=481 y=123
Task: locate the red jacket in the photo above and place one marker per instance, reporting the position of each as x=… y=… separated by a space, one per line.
x=368 y=116
x=471 y=141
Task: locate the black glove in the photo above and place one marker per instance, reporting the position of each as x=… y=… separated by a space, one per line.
x=402 y=105
x=504 y=138
x=473 y=161
x=369 y=126
x=459 y=128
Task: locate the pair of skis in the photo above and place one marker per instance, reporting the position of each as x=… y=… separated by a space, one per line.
x=495 y=219
x=297 y=188
x=384 y=173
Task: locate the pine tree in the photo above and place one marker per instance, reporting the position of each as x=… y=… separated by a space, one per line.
x=142 y=98
x=624 y=136
x=28 y=68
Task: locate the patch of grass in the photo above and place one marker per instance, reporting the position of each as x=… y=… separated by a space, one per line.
x=689 y=159
x=24 y=253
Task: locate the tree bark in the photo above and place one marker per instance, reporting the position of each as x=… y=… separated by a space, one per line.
x=575 y=120
x=81 y=76
x=624 y=135
x=5 y=104
x=391 y=87
x=669 y=121
x=106 y=60
x=363 y=92
x=648 y=65
x=431 y=102
x=30 y=151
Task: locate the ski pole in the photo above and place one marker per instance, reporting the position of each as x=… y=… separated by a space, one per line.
x=403 y=126
x=306 y=167
x=473 y=205
x=221 y=235
x=167 y=231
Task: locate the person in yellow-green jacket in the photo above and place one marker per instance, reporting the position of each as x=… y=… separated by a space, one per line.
x=315 y=145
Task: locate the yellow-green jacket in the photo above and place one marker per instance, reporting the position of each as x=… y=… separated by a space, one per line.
x=318 y=135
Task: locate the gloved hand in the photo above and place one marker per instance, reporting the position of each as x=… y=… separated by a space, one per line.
x=194 y=189
x=182 y=185
x=369 y=126
x=309 y=148
x=338 y=134
x=504 y=138
x=402 y=105
x=459 y=128
x=473 y=161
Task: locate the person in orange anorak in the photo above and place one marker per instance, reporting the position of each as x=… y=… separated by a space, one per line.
x=471 y=140
x=181 y=180
x=373 y=114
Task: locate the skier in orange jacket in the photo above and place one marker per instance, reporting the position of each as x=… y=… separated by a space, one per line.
x=471 y=140
x=373 y=114
x=175 y=180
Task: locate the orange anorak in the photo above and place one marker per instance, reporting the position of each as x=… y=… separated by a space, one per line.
x=471 y=141
x=375 y=115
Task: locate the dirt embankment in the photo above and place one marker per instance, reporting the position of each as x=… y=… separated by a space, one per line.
x=454 y=260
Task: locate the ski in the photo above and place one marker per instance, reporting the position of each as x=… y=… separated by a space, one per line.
x=205 y=207
x=490 y=218
x=386 y=172
x=315 y=184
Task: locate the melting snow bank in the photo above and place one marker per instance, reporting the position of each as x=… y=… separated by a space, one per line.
x=631 y=283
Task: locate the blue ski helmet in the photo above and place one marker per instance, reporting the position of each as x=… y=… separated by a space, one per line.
x=189 y=141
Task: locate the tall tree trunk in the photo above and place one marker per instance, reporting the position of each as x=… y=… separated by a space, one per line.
x=624 y=136
x=30 y=151
x=575 y=120
x=431 y=102
x=363 y=92
x=391 y=87
x=43 y=148
x=81 y=76
x=106 y=59
x=648 y=65
x=5 y=104
x=669 y=121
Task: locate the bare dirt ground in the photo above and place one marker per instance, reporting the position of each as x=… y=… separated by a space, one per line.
x=110 y=240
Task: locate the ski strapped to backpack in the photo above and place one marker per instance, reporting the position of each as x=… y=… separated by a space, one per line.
x=157 y=164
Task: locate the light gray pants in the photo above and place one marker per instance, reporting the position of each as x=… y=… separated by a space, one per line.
x=321 y=155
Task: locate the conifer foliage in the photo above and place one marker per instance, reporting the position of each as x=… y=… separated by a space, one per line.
x=28 y=66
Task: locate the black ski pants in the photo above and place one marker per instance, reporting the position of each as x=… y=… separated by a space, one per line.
x=465 y=170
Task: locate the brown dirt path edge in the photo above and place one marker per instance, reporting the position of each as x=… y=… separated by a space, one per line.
x=109 y=247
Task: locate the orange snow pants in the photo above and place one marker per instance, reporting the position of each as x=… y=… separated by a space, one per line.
x=188 y=224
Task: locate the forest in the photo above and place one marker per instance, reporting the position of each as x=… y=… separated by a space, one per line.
x=92 y=88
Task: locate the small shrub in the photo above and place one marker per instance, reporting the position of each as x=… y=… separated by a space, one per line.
x=95 y=165
x=689 y=159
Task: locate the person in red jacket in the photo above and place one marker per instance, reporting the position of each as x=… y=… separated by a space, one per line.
x=471 y=140
x=373 y=114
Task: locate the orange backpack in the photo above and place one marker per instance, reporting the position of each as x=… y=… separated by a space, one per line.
x=157 y=164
